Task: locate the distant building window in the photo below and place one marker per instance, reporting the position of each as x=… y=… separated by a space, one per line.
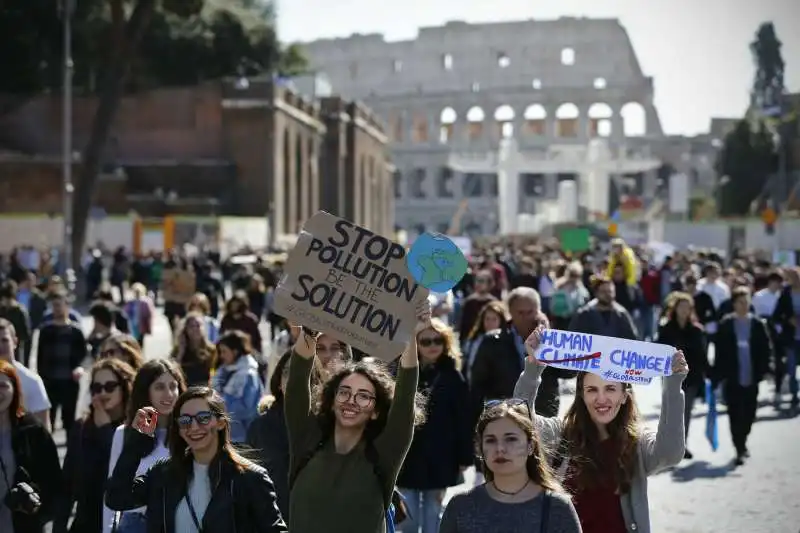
x=503 y=61
x=398 y=184
x=447 y=61
x=418 y=183
x=397 y=65
x=568 y=56
x=536 y=84
x=444 y=189
x=473 y=185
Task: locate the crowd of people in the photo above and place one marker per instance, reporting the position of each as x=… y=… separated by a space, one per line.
x=236 y=429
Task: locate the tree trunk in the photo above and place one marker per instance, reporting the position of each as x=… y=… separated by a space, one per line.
x=101 y=125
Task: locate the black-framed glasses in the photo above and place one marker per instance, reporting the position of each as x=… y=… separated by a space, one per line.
x=510 y=402
x=203 y=418
x=97 y=387
x=361 y=398
x=428 y=342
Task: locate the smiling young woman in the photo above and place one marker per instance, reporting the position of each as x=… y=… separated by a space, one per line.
x=602 y=428
x=205 y=485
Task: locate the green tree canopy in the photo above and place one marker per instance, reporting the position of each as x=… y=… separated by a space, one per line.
x=768 y=83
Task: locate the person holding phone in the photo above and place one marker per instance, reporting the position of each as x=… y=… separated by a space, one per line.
x=205 y=485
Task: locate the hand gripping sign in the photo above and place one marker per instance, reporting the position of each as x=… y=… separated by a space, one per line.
x=347 y=281
x=611 y=358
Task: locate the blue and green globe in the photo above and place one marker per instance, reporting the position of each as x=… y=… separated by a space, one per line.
x=436 y=262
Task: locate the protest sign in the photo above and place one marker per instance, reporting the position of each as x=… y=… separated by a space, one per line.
x=178 y=285
x=347 y=281
x=611 y=358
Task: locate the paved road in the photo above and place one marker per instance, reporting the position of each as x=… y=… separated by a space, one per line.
x=705 y=495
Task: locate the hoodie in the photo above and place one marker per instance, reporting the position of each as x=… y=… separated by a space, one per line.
x=240 y=386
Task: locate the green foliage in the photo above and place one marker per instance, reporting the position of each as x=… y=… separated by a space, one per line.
x=747 y=159
x=768 y=85
x=185 y=42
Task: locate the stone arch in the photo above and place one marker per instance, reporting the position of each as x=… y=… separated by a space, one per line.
x=567 y=116
x=535 y=116
x=420 y=128
x=447 y=120
x=600 y=115
x=504 y=117
x=634 y=119
x=475 y=118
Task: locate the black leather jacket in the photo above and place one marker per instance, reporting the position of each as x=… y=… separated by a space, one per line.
x=242 y=501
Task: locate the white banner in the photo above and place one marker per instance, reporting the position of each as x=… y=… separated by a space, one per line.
x=611 y=358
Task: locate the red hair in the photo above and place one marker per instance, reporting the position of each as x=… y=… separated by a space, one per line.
x=17 y=408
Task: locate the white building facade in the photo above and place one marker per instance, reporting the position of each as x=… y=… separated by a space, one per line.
x=457 y=91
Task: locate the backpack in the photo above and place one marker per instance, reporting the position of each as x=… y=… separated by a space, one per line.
x=395 y=504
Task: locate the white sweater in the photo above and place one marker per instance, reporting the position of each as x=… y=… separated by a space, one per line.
x=159 y=452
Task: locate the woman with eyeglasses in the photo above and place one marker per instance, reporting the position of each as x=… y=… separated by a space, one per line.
x=157 y=384
x=521 y=494
x=442 y=447
x=89 y=447
x=30 y=475
x=602 y=451
x=205 y=485
x=348 y=440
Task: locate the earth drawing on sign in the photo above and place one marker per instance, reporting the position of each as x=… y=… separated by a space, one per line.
x=436 y=262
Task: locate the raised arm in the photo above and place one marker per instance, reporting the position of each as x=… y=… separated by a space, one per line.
x=665 y=447
x=300 y=421
x=125 y=490
x=526 y=389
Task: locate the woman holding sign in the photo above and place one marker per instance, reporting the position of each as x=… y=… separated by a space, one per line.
x=603 y=429
x=348 y=443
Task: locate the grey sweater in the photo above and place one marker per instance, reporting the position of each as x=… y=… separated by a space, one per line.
x=477 y=512
x=657 y=451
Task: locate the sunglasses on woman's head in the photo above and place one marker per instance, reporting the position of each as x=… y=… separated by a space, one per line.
x=435 y=341
x=203 y=418
x=510 y=402
x=108 y=386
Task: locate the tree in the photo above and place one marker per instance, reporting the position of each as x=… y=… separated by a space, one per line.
x=747 y=159
x=129 y=45
x=768 y=85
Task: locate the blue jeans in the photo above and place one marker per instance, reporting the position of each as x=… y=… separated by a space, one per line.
x=132 y=523
x=425 y=507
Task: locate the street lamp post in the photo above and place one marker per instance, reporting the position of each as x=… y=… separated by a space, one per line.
x=67 y=10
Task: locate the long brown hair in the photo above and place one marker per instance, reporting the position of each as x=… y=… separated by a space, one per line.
x=539 y=470
x=496 y=307
x=125 y=376
x=181 y=457
x=16 y=409
x=672 y=302
x=582 y=441
x=129 y=349
x=204 y=353
x=450 y=349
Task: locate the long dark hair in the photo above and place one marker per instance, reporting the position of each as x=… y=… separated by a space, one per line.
x=236 y=341
x=381 y=379
x=539 y=470
x=582 y=441
x=147 y=374
x=125 y=375
x=181 y=461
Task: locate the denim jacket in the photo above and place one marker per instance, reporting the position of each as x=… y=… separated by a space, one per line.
x=241 y=388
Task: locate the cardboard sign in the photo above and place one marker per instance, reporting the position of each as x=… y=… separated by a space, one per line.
x=347 y=281
x=178 y=285
x=611 y=358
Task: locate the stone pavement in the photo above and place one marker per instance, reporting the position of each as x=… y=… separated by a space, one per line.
x=705 y=495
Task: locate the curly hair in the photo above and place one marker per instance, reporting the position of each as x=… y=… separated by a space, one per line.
x=381 y=379
x=537 y=466
x=582 y=441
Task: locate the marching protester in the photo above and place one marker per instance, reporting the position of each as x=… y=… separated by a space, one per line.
x=603 y=315
x=442 y=447
x=237 y=381
x=681 y=329
x=13 y=311
x=492 y=317
x=205 y=485
x=521 y=493
x=157 y=384
x=332 y=353
x=199 y=303
x=787 y=317
x=30 y=474
x=124 y=347
x=347 y=452
x=475 y=302
x=193 y=350
x=601 y=450
x=89 y=447
x=36 y=402
x=238 y=316
x=139 y=310
x=743 y=352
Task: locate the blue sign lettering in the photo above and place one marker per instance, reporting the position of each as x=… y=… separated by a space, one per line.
x=568 y=340
x=638 y=361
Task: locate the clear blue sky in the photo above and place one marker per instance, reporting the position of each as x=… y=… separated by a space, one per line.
x=697 y=50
